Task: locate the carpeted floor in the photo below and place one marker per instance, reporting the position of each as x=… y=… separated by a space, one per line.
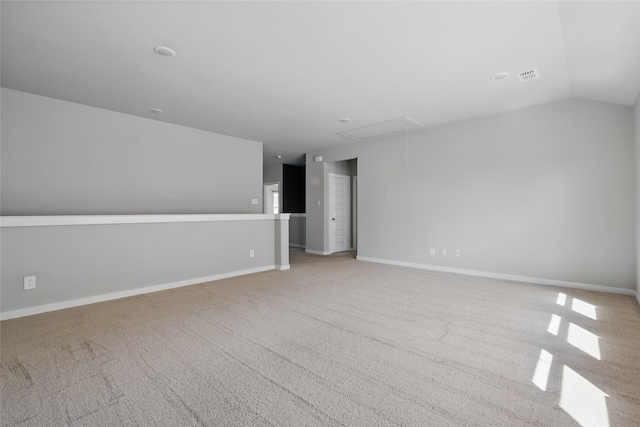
x=334 y=341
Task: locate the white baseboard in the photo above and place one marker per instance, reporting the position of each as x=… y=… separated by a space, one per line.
x=283 y=267
x=132 y=292
x=638 y=297
x=311 y=251
x=512 y=277
x=295 y=245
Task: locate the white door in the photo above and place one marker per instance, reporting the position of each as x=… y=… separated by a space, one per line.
x=340 y=213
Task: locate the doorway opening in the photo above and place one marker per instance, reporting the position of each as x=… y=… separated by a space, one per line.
x=342 y=191
x=339 y=212
x=271 y=199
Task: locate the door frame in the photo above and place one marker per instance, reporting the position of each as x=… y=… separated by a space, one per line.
x=330 y=208
x=354 y=212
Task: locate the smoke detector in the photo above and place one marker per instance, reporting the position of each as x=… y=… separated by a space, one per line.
x=525 y=76
x=164 y=51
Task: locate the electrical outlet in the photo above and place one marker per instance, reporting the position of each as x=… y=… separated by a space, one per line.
x=457 y=252
x=432 y=251
x=444 y=252
x=254 y=201
x=29 y=282
x=252 y=253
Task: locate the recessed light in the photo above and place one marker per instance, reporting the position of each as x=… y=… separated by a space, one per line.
x=500 y=76
x=344 y=120
x=155 y=111
x=164 y=51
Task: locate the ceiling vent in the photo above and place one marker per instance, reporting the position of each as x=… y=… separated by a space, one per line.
x=376 y=130
x=525 y=76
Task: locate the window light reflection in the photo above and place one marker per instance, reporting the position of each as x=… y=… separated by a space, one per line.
x=562 y=298
x=584 y=340
x=584 y=308
x=541 y=374
x=585 y=402
x=554 y=324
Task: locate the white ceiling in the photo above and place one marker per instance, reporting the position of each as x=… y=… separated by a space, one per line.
x=283 y=73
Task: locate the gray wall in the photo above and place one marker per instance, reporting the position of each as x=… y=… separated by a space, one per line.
x=345 y=167
x=636 y=116
x=544 y=192
x=272 y=173
x=297 y=230
x=64 y=158
x=72 y=262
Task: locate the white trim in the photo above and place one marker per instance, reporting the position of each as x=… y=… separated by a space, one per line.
x=354 y=211
x=298 y=215
x=311 y=251
x=512 y=277
x=55 y=220
x=295 y=245
x=638 y=297
x=128 y=293
x=283 y=267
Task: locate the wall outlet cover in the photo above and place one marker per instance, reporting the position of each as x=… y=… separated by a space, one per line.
x=29 y=282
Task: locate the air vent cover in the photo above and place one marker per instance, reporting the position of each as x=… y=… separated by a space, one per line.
x=376 y=130
x=525 y=76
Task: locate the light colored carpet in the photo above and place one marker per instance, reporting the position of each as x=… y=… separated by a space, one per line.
x=333 y=341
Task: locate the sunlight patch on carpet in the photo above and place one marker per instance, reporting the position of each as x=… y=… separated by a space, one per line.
x=554 y=324
x=584 y=340
x=584 y=308
x=585 y=402
x=541 y=374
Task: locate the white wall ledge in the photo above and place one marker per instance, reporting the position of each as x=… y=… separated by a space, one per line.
x=58 y=220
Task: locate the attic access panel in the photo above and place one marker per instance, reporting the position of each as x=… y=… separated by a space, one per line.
x=377 y=130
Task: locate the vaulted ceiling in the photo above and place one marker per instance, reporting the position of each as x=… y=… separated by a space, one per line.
x=284 y=73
